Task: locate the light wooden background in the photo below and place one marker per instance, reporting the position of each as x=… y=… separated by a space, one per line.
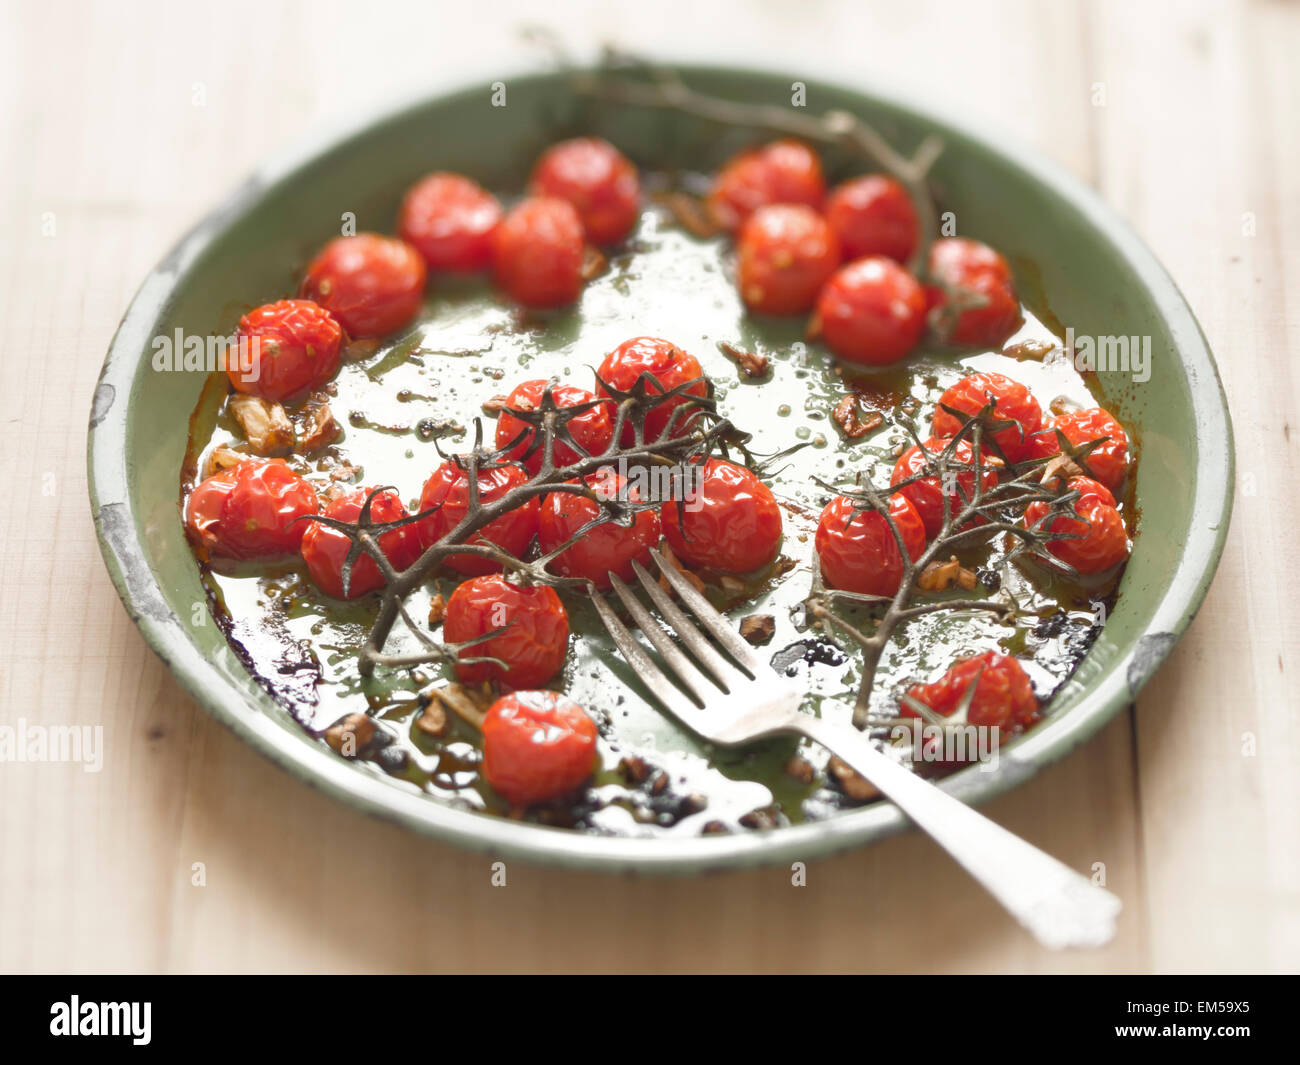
x=101 y=130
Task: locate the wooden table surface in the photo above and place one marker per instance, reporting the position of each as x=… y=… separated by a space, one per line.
x=123 y=123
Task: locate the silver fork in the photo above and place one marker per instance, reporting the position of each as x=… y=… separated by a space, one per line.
x=739 y=700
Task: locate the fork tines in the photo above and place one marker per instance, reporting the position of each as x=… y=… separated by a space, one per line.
x=712 y=665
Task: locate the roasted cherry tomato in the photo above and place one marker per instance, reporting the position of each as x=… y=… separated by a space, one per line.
x=1108 y=462
x=871 y=311
x=784 y=255
x=373 y=285
x=873 y=215
x=859 y=553
x=537 y=746
x=537 y=251
x=598 y=179
x=449 y=219
x=668 y=367
x=325 y=549
x=251 y=510
x=294 y=345
x=1004 y=698
x=927 y=494
x=785 y=171
x=1103 y=541
x=1015 y=403
x=592 y=430
x=448 y=489
x=731 y=524
x=534 y=636
x=605 y=548
x=970 y=265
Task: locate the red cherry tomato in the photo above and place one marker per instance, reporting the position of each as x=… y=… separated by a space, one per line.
x=535 y=634
x=449 y=486
x=449 y=219
x=1015 y=403
x=668 y=366
x=927 y=493
x=1103 y=539
x=294 y=345
x=607 y=547
x=968 y=264
x=873 y=215
x=858 y=552
x=537 y=745
x=784 y=171
x=592 y=430
x=732 y=525
x=325 y=549
x=373 y=285
x=537 y=250
x=1004 y=698
x=785 y=254
x=598 y=179
x=1108 y=462
x=871 y=311
x=251 y=510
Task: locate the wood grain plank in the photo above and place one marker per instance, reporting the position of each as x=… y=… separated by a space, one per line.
x=1220 y=822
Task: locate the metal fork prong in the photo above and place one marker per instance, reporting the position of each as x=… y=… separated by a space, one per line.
x=721 y=670
x=719 y=627
x=686 y=671
x=659 y=686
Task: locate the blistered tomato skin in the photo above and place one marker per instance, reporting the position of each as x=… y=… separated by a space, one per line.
x=597 y=179
x=373 y=285
x=873 y=215
x=203 y=511
x=448 y=490
x=450 y=220
x=537 y=252
x=1015 y=403
x=732 y=525
x=858 y=552
x=1004 y=697
x=534 y=636
x=784 y=255
x=784 y=171
x=1102 y=541
x=537 y=746
x=668 y=367
x=294 y=345
x=325 y=549
x=968 y=264
x=871 y=311
x=251 y=510
x=592 y=430
x=926 y=494
x=1108 y=462
x=606 y=548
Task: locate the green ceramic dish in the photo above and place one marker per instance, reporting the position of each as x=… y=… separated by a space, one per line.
x=1080 y=264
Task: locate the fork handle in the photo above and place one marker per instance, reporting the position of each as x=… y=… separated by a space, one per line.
x=1057 y=905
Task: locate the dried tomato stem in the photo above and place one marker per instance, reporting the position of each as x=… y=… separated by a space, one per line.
x=982 y=504
x=709 y=434
x=666 y=91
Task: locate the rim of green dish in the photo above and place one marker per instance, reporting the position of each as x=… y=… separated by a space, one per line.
x=130 y=568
